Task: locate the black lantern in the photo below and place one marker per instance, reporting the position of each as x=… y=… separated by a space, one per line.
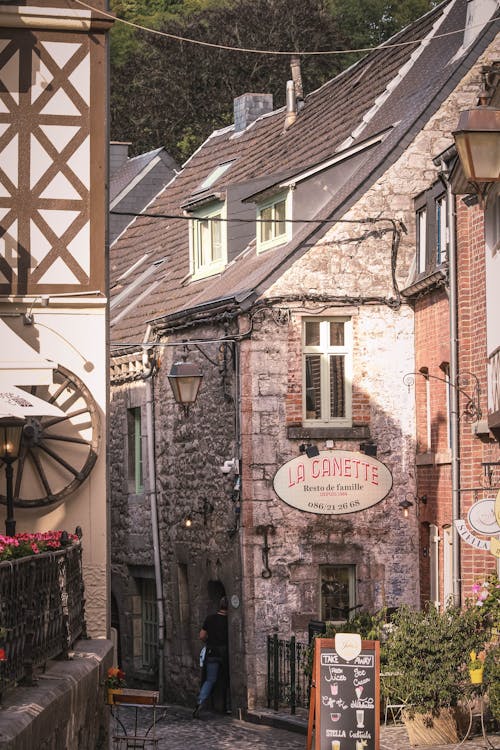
x=11 y=431
x=185 y=380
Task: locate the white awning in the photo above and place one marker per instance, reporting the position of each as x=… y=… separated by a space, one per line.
x=20 y=364
x=14 y=402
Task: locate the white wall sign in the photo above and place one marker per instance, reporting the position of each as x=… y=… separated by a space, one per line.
x=469 y=537
x=334 y=482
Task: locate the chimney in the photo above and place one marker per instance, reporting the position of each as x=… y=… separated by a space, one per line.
x=118 y=155
x=248 y=107
x=297 y=78
x=291 y=104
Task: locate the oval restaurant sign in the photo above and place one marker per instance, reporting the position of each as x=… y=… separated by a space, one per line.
x=334 y=482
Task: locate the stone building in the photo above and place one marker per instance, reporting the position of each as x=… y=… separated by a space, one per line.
x=274 y=261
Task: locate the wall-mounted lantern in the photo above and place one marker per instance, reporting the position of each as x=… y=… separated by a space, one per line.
x=477 y=139
x=185 y=380
x=11 y=432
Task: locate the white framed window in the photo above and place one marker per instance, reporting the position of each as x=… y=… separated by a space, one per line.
x=273 y=222
x=492 y=223
x=327 y=371
x=338 y=592
x=208 y=241
x=421 y=240
x=432 y=230
x=442 y=233
x=434 y=540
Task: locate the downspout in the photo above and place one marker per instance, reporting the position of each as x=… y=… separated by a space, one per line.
x=454 y=417
x=150 y=423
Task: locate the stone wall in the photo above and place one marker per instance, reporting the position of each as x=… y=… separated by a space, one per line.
x=66 y=709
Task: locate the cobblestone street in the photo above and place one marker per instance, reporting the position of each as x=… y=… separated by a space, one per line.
x=177 y=730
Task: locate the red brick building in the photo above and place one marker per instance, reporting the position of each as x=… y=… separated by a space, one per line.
x=456 y=381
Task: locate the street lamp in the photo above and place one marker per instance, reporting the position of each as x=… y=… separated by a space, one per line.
x=185 y=380
x=11 y=431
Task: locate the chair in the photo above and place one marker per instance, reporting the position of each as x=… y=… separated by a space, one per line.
x=394 y=704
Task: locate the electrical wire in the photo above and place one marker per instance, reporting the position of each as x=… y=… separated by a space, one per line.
x=220 y=219
x=302 y=53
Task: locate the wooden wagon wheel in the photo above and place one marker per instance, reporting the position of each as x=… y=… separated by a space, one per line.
x=57 y=453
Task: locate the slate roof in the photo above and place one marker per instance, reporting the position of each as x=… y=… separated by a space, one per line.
x=129 y=170
x=406 y=84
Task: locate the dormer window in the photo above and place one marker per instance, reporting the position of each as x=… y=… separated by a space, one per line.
x=208 y=246
x=273 y=226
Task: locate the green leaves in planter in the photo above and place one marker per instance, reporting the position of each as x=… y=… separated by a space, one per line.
x=429 y=650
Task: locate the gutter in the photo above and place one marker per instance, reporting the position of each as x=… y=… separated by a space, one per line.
x=150 y=422
x=454 y=417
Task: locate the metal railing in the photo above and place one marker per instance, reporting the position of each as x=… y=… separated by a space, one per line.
x=287 y=673
x=42 y=612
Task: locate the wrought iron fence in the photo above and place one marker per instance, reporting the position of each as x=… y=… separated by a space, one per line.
x=42 y=612
x=287 y=673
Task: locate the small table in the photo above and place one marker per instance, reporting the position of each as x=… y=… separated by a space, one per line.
x=130 y=698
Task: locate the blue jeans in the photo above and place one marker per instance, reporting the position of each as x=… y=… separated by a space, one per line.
x=212 y=666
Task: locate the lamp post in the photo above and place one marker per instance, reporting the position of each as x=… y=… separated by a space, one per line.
x=11 y=431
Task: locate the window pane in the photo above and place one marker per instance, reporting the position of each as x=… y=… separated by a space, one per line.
x=312 y=334
x=336 y=334
x=134 y=439
x=216 y=238
x=337 y=386
x=149 y=623
x=442 y=244
x=279 y=215
x=266 y=226
x=313 y=386
x=421 y=239
x=204 y=235
x=337 y=592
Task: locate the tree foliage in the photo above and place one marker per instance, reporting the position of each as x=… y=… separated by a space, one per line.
x=174 y=93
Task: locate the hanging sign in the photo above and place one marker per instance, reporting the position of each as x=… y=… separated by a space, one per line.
x=344 y=708
x=333 y=482
x=482 y=518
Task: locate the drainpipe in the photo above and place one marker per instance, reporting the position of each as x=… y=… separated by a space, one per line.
x=148 y=381
x=454 y=419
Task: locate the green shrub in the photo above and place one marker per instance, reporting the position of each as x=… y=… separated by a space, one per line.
x=492 y=679
x=429 y=652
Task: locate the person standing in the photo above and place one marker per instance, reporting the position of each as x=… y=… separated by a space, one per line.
x=214 y=634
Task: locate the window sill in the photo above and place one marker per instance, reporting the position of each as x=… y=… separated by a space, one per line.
x=355 y=432
x=433 y=459
x=263 y=248
x=205 y=273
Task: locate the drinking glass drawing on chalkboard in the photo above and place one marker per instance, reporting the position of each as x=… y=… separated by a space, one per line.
x=344 y=710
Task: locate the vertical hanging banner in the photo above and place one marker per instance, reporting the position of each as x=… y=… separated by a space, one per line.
x=344 y=708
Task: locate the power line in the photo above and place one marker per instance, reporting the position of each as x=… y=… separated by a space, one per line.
x=302 y=53
x=151 y=215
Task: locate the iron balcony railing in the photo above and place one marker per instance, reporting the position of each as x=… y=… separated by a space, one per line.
x=287 y=673
x=42 y=612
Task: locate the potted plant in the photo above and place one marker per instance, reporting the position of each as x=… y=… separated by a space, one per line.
x=115 y=682
x=476 y=667
x=425 y=652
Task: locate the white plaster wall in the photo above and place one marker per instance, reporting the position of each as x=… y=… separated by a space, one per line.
x=75 y=337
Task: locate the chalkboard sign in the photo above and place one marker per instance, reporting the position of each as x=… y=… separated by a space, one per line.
x=344 y=712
